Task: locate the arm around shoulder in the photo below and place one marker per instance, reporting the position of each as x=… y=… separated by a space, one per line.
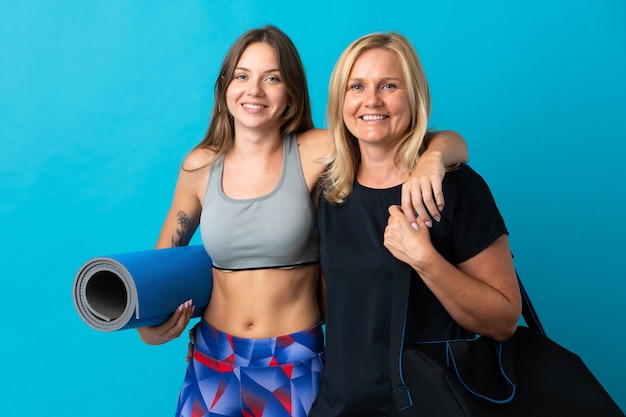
x=422 y=193
x=314 y=146
x=449 y=146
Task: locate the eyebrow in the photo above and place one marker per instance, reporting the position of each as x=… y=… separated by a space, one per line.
x=264 y=72
x=381 y=80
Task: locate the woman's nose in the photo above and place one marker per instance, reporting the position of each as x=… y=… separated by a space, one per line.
x=255 y=88
x=372 y=97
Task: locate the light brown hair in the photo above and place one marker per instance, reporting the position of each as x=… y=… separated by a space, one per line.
x=297 y=117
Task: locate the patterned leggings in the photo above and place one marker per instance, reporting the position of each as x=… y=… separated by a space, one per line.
x=231 y=376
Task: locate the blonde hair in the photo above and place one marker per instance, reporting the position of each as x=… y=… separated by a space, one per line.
x=344 y=161
x=297 y=117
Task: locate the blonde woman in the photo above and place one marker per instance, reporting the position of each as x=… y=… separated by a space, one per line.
x=463 y=280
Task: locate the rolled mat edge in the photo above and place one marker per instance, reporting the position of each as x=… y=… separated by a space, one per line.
x=137 y=289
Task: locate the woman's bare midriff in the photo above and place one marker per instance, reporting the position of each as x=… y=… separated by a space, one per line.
x=264 y=303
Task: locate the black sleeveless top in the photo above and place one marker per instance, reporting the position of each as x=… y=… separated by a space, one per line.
x=358 y=271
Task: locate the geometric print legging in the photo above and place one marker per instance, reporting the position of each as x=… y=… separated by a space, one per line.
x=271 y=377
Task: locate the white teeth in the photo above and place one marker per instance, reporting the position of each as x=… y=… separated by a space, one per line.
x=368 y=117
x=253 y=106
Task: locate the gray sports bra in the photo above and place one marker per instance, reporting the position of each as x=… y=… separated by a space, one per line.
x=276 y=230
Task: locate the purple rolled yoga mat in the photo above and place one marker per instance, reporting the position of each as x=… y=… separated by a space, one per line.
x=138 y=289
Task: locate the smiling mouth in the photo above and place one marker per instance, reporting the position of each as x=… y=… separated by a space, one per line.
x=253 y=106
x=373 y=117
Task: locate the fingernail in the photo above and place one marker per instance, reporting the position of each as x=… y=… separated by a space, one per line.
x=440 y=208
x=414 y=226
x=428 y=223
x=437 y=219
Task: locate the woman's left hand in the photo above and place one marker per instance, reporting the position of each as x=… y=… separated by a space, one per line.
x=171 y=328
x=422 y=193
x=408 y=241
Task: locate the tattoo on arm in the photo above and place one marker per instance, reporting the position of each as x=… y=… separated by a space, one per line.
x=182 y=232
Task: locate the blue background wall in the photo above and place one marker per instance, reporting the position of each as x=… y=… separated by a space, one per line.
x=100 y=101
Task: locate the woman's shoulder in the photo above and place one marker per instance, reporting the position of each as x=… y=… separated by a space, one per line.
x=464 y=173
x=314 y=134
x=194 y=175
x=198 y=158
x=314 y=146
x=315 y=141
x=465 y=181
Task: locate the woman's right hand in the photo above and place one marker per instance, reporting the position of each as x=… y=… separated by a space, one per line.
x=171 y=328
x=409 y=242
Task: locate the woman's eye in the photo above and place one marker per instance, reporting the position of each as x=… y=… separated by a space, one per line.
x=241 y=77
x=388 y=86
x=355 y=87
x=273 y=79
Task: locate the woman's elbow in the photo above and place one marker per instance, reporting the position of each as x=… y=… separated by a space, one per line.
x=508 y=325
x=506 y=333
